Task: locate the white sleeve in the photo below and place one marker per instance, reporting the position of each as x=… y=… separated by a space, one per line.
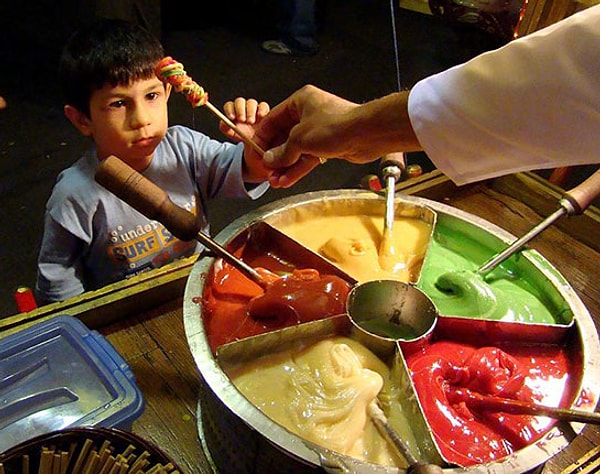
x=532 y=104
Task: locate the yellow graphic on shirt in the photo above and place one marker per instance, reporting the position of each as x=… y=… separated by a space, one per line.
x=148 y=246
x=140 y=247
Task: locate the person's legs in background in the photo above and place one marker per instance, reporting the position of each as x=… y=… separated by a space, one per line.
x=297 y=27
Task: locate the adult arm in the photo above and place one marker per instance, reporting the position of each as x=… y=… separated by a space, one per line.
x=532 y=104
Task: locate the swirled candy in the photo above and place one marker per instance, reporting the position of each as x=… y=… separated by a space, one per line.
x=171 y=72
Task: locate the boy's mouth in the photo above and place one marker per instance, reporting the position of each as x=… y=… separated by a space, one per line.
x=145 y=141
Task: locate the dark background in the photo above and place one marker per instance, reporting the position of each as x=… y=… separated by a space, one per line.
x=219 y=44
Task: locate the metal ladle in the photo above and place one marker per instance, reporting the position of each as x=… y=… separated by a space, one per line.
x=390 y=311
x=384 y=313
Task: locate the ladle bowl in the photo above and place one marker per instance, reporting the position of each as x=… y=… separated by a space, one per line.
x=390 y=311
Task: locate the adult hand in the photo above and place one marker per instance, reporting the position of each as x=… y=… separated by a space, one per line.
x=300 y=130
x=312 y=125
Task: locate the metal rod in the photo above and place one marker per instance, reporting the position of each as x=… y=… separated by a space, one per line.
x=389 y=206
x=231 y=259
x=519 y=243
x=509 y=405
x=389 y=433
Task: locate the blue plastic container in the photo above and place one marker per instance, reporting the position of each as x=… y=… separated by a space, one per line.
x=59 y=374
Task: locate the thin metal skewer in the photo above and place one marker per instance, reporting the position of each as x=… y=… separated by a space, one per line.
x=520 y=242
x=573 y=202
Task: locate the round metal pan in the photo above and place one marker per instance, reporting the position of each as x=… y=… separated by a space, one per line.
x=240 y=438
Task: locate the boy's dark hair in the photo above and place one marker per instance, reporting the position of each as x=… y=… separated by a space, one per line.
x=109 y=51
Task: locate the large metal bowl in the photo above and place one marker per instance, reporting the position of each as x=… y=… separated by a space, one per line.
x=237 y=437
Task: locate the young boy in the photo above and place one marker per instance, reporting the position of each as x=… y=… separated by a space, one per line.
x=91 y=238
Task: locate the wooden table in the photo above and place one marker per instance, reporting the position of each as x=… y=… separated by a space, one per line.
x=143 y=318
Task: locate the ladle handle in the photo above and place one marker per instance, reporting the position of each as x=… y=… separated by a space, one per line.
x=392 y=166
x=582 y=195
x=146 y=197
x=390 y=434
x=152 y=201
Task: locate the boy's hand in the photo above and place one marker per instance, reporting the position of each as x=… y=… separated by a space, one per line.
x=246 y=113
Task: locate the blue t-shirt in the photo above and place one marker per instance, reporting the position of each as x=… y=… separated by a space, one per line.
x=92 y=238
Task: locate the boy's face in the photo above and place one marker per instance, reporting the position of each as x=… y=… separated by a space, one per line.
x=127 y=121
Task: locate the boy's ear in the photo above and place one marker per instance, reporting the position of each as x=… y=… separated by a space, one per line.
x=79 y=120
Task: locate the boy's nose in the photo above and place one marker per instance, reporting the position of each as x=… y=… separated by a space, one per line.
x=140 y=117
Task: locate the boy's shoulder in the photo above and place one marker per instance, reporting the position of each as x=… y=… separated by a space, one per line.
x=77 y=181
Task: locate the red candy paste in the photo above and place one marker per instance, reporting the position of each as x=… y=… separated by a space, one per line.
x=235 y=307
x=468 y=435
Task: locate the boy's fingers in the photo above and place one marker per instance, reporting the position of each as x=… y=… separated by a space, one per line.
x=229 y=110
x=240 y=109
x=251 y=108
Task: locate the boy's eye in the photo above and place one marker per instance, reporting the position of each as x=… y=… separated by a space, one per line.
x=152 y=95
x=117 y=103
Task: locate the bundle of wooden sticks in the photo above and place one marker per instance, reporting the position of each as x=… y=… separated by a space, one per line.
x=87 y=458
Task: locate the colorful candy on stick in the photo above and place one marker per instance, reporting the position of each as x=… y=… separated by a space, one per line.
x=171 y=72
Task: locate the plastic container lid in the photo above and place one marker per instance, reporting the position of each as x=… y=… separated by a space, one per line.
x=59 y=374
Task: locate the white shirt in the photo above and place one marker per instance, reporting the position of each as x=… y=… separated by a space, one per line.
x=532 y=104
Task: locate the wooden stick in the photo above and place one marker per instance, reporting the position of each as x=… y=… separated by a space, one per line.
x=172 y=72
x=155 y=469
x=106 y=463
x=65 y=457
x=82 y=455
x=235 y=128
x=128 y=450
x=141 y=461
x=56 y=463
x=115 y=469
x=25 y=469
x=91 y=463
x=106 y=447
x=45 y=462
x=72 y=450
